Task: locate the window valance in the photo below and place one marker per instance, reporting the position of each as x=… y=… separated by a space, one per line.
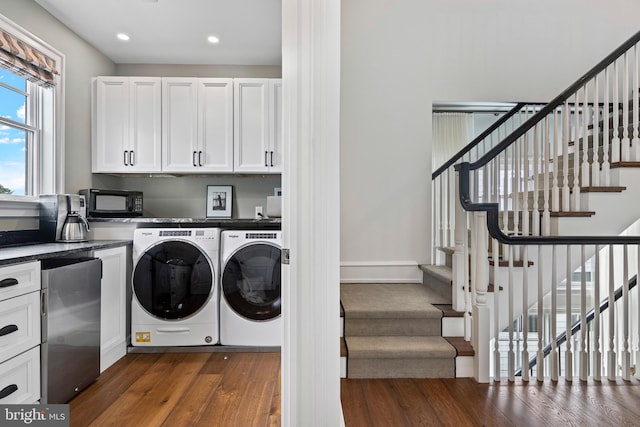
x=23 y=59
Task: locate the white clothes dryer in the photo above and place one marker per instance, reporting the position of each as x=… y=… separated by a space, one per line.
x=175 y=287
x=250 y=299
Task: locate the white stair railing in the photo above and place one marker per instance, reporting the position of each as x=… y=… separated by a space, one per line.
x=539 y=174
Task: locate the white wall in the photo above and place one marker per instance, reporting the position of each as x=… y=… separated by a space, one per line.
x=399 y=57
x=82 y=62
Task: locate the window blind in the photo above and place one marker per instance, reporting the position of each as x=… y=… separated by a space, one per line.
x=21 y=58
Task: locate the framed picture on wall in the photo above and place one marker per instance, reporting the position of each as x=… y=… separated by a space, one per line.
x=219 y=201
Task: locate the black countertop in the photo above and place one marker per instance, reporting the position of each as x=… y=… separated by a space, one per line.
x=37 y=251
x=271 y=223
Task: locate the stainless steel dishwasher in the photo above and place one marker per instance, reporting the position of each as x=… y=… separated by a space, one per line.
x=70 y=311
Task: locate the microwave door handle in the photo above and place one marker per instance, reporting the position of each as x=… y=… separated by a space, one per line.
x=132 y=157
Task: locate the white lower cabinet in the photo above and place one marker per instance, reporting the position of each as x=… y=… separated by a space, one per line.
x=20 y=378
x=20 y=333
x=113 y=308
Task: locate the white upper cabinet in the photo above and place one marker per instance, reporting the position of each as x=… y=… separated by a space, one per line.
x=126 y=124
x=197 y=125
x=257 y=129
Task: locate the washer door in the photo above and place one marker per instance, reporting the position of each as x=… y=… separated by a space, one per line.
x=173 y=279
x=251 y=281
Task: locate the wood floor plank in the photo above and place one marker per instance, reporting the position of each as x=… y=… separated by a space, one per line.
x=189 y=409
x=155 y=393
x=109 y=386
x=354 y=403
x=382 y=403
x=417 y=410
x=447 y=410
x=476 y=403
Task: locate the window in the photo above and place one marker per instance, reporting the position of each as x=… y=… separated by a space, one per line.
x=17 y=135
x=30 y=108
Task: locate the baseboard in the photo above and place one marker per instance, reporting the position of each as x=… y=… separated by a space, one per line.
x=380 y=272
x=110 y=356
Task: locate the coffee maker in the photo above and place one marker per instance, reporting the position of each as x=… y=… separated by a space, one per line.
x=63 y=218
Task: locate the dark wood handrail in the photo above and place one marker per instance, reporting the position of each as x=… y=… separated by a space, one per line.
x=555 y=103
x=562 y=338
x=477 y=140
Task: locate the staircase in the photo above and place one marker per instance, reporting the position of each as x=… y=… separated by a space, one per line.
x=403 y=331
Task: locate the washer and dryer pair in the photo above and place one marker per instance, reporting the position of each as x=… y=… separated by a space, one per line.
x=206 y=286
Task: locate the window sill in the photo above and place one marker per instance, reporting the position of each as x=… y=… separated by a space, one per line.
x=19 y=206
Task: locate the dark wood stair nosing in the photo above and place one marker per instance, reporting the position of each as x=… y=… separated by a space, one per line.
x=462 y=347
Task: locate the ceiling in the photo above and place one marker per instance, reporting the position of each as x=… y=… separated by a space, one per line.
x=176 y=31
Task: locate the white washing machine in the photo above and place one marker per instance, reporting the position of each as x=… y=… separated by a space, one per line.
x=250 y=299
x=175 y=287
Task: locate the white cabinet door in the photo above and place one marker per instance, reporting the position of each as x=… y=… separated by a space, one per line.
x=113 y=305
x=126 y=124
x=110 y=128
x=20 y=378
x=251 y=125
x=179 y=124
x=215 y=125
x=145 y=129
x=275 y=120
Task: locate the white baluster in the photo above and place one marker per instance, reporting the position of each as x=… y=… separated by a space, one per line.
x=525 y=186
x=496 y=311
x=459 y=259
x=505 y=190
x=595 y=165
x=624 y=142
x=585 y=172
x=554 y=356
x=467 y=275
x=536 y=183
x=510 y=318
x=447 y=209
x=555 y=191
x=597 y=355
x=584 y=355
x=605 y=133
x=566 y=137
x=615 y=141
x=611 y=354
x=626 y=355
x=525 y=312
x=637 y=374
x=575 y=200
x=635 y=142
x=546 y=214
x=568 y=361
x=516 y=188
x=540 y=355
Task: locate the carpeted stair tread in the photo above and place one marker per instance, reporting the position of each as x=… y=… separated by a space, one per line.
x=387 y=301
x=393 y=347
x=441 y=272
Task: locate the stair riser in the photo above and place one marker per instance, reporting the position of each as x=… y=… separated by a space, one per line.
x=401 y=368
x=386 y=327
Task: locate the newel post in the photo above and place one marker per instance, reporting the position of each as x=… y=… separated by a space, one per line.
x=481 y=313
x=459 y=255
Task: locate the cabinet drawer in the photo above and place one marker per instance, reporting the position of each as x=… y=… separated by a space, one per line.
x=20 y=378
x=19 y=279
x=19 y=324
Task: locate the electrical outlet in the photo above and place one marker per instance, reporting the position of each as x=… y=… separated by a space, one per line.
x=259 y=212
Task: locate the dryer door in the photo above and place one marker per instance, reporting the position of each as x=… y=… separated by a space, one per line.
x=251 y=281
x=173 y=279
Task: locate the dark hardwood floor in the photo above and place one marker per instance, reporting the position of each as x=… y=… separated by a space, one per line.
x=183 y=389
x=243 y=389
x=463 y=402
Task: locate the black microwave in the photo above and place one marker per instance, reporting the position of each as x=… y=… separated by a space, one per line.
x=112 y=203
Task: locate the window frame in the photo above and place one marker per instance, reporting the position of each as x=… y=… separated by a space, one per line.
x=47 y=157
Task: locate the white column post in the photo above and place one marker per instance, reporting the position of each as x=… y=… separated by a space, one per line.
x=311 y=213
x=481 y=312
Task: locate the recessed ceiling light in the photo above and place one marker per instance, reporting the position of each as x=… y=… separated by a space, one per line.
x=124 y=37
x=213 y=39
